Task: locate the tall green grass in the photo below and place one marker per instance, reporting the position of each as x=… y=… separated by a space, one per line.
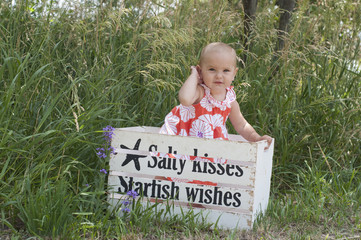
x=67 y=74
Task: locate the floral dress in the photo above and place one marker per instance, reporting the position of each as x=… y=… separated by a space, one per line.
x=206 y=119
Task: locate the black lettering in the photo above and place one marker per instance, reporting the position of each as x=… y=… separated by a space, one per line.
x=153 y=189
x=155 y=163
x=154 y=158
x=196 y=166
x=145 y=189
x=228 y=167
x=205 y=167
x=212 y=168
x=217 y=194
x=236 y=198
x=165 y=189
x=220 y=171
x=168 y=163
x=201 y=195
x=208 y=193
x=175 y=191
x=191 y=194
x=174 y=165
x=162 y=163
x=240 y=171
x=226 y=197
x=182 y=163
x=159 y=188
x=125 y=185
x=153 y=146
x=139 y=188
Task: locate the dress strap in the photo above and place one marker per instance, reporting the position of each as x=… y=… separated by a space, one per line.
x=230 y=97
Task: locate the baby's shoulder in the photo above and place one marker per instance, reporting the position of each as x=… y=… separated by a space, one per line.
x=231 y=95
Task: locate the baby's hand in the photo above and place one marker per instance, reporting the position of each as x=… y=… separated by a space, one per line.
x=268 y=139
x=195 y=72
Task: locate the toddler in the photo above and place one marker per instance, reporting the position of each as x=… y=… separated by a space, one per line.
x=207 y=99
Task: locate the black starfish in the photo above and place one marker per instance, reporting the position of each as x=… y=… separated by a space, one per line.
x=133 y=157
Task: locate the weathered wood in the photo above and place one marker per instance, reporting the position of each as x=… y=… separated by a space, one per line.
x=228 y=199
x=197 y=169
x=184 y=145
x=227 y=178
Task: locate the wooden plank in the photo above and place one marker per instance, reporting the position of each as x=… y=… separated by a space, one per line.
x=262 y=182
x=223 y=219
x=147 y=141
x=201 y=196
x=141 y=175
x=198 y=169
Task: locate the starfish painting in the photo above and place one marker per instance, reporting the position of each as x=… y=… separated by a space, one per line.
x=133 y=157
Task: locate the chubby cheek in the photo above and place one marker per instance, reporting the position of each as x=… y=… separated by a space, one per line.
x=204 y=76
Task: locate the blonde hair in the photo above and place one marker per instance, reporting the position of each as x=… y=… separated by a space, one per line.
x=215 y=47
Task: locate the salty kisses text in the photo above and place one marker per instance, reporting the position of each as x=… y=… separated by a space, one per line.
x=177 y=164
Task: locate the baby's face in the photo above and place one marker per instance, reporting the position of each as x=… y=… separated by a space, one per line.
x=218 y=70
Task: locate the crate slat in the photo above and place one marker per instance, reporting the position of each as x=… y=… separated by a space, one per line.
x=235 y=175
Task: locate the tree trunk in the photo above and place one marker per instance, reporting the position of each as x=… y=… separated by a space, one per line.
x=249 y=8
x=286 y=7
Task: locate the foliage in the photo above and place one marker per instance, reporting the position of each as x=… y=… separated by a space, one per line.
x=65 y=73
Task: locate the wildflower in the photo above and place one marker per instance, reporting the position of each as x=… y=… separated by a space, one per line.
x=109 y=129
x=111 y=149
x=125 y=203
x=101 y=153
x=132 y=194
x=103 y=171
x=126 y=209
x=108 y=133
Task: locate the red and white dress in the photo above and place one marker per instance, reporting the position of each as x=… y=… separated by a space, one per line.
x=206 y=119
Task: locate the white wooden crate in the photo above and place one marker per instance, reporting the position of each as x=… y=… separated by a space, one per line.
x=232 y=191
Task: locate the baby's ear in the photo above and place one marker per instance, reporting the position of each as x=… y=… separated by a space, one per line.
x=199 y=69
x=235 y=73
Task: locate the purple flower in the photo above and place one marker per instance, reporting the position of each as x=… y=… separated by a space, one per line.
x=125 y=203
x=111 y=149
x=108 y=133
x=108 y=129
x=104 y=171
x=132 y=194
x=126 y=209
x=101 y=155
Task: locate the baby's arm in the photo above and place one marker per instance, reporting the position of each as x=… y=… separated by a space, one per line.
x=191 y=92
x=243 y=128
